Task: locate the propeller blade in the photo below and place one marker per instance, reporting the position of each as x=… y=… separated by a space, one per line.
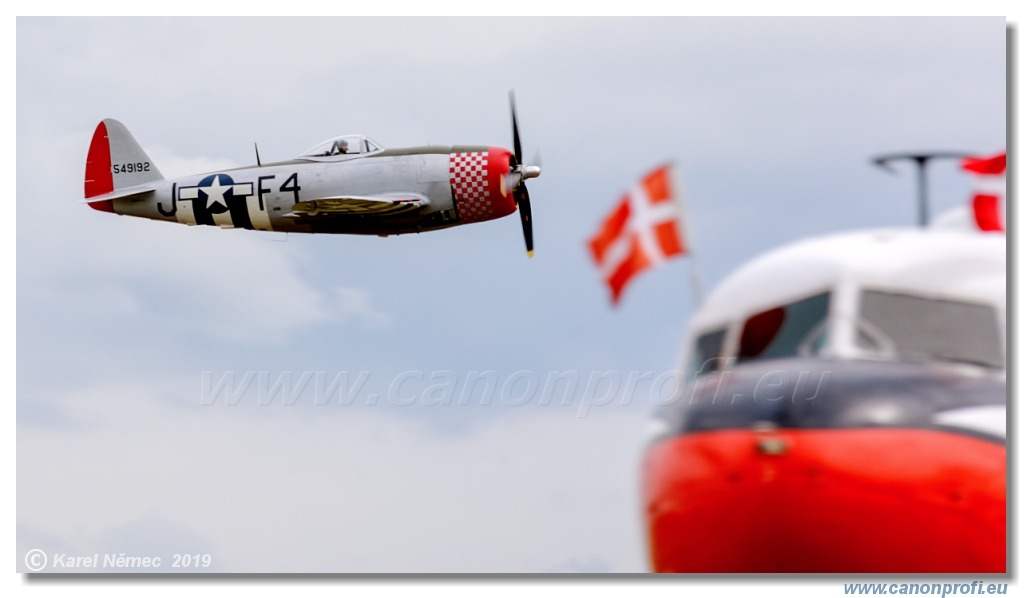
x=526 y=216
x=517 y=177
x=515 y=129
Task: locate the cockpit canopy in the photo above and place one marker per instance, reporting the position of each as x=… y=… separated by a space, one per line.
x=886 y=325
x=345 y=145
x=891 y=295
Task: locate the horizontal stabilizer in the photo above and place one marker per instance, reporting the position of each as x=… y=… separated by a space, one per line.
x=360 y=205
x=136 y=193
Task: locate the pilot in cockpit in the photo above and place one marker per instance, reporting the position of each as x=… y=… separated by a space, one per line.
x=340 y=147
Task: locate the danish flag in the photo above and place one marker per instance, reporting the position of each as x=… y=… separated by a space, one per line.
x=642 y=231
x=989 y=188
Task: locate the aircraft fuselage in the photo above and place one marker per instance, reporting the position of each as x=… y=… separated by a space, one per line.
x=263 y=197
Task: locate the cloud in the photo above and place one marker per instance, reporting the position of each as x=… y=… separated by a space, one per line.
x=356 y=305
x=229 y=285
x=351 y=491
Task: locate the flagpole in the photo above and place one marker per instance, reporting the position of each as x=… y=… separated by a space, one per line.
x=697 y=279
x=681 y=218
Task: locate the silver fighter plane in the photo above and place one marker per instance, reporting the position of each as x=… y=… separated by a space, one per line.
x=349 y=184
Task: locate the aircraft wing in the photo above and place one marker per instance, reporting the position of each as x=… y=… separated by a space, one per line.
x=360 y=205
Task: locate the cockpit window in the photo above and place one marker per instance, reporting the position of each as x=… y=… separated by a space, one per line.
x=794 y=329
x=707 y=353
x=341 y=146
x=921 y=329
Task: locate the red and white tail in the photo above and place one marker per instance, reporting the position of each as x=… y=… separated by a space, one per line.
x=116 y=166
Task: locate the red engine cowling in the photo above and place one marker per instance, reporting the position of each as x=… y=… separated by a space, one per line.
x=477 y=178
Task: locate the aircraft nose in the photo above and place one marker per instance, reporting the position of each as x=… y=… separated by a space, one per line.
x=478 y=183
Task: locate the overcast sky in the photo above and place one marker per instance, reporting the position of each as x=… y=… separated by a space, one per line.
x=137 y=430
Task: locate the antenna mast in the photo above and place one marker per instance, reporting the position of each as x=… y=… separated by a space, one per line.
x=921 y=159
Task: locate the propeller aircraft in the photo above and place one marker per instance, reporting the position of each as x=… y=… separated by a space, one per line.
x=349 y=185
x=844 y=411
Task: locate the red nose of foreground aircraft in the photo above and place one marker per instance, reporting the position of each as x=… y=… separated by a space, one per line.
x=347 y=184
x=846 y=413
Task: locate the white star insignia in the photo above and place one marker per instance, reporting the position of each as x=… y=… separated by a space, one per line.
x=215 y=193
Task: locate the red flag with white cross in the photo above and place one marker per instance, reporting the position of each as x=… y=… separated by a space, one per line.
x=643 y=230
x=989 y=190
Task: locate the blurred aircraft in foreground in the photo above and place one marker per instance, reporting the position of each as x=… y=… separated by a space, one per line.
x=347 y=184
x=846 y=411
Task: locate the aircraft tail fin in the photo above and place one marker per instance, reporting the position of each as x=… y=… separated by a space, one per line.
x=116 y=161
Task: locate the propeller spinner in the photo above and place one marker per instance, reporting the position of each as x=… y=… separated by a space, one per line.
x=516 y=181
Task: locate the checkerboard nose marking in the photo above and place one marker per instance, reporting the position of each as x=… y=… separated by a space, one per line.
x=468 y=172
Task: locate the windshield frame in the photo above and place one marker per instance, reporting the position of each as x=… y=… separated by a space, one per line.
x=895 y=344
x=359 y=146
